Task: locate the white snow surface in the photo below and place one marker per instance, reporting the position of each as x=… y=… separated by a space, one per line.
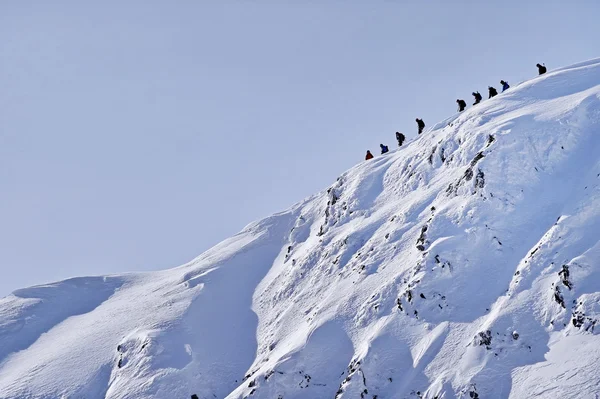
x=465 y=264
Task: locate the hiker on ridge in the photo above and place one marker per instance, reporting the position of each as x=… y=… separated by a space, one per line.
x=421 y=125
x=504 y=85
x=477 y=97
x=541 y=69
x=369 y=155
x=384 y=148
x=461 y=105
x=493 y=92
x=400 y=137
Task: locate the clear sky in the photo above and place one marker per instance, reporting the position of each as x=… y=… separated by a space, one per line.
x=136 y=134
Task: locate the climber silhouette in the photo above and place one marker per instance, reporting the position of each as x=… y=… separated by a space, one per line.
x=541 y=69
x=400 y=138
x=421 y=125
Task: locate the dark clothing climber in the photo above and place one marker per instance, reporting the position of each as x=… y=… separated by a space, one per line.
x=421 y=125
x=492 y=91
x=400 y=137
x=461 y=105
x=477 y=97
x=384 y=148
x=369 y=156
x=541 y=69
x=504 y=85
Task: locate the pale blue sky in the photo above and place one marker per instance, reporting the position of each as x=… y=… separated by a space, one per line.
x=136 y=134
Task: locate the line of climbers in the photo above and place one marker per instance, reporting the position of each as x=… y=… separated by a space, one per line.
x=492 y=92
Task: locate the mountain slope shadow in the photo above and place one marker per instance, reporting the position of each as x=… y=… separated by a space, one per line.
x=220 y=324
x=29 y=313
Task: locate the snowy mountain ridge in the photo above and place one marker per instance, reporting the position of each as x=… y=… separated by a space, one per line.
x=463 y=265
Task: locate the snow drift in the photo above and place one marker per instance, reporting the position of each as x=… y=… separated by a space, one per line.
x=463 y=265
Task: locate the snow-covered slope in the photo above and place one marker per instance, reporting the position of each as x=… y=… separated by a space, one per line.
x=463 y=265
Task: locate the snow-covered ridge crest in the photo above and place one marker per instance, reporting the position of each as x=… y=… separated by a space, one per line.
x=463 y=265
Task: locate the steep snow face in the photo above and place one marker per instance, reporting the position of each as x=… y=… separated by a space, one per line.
x=463 y=265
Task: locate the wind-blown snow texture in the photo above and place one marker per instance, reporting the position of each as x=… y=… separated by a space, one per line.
x=463 y=265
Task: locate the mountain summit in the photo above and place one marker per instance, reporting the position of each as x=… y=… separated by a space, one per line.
x=463 y=265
